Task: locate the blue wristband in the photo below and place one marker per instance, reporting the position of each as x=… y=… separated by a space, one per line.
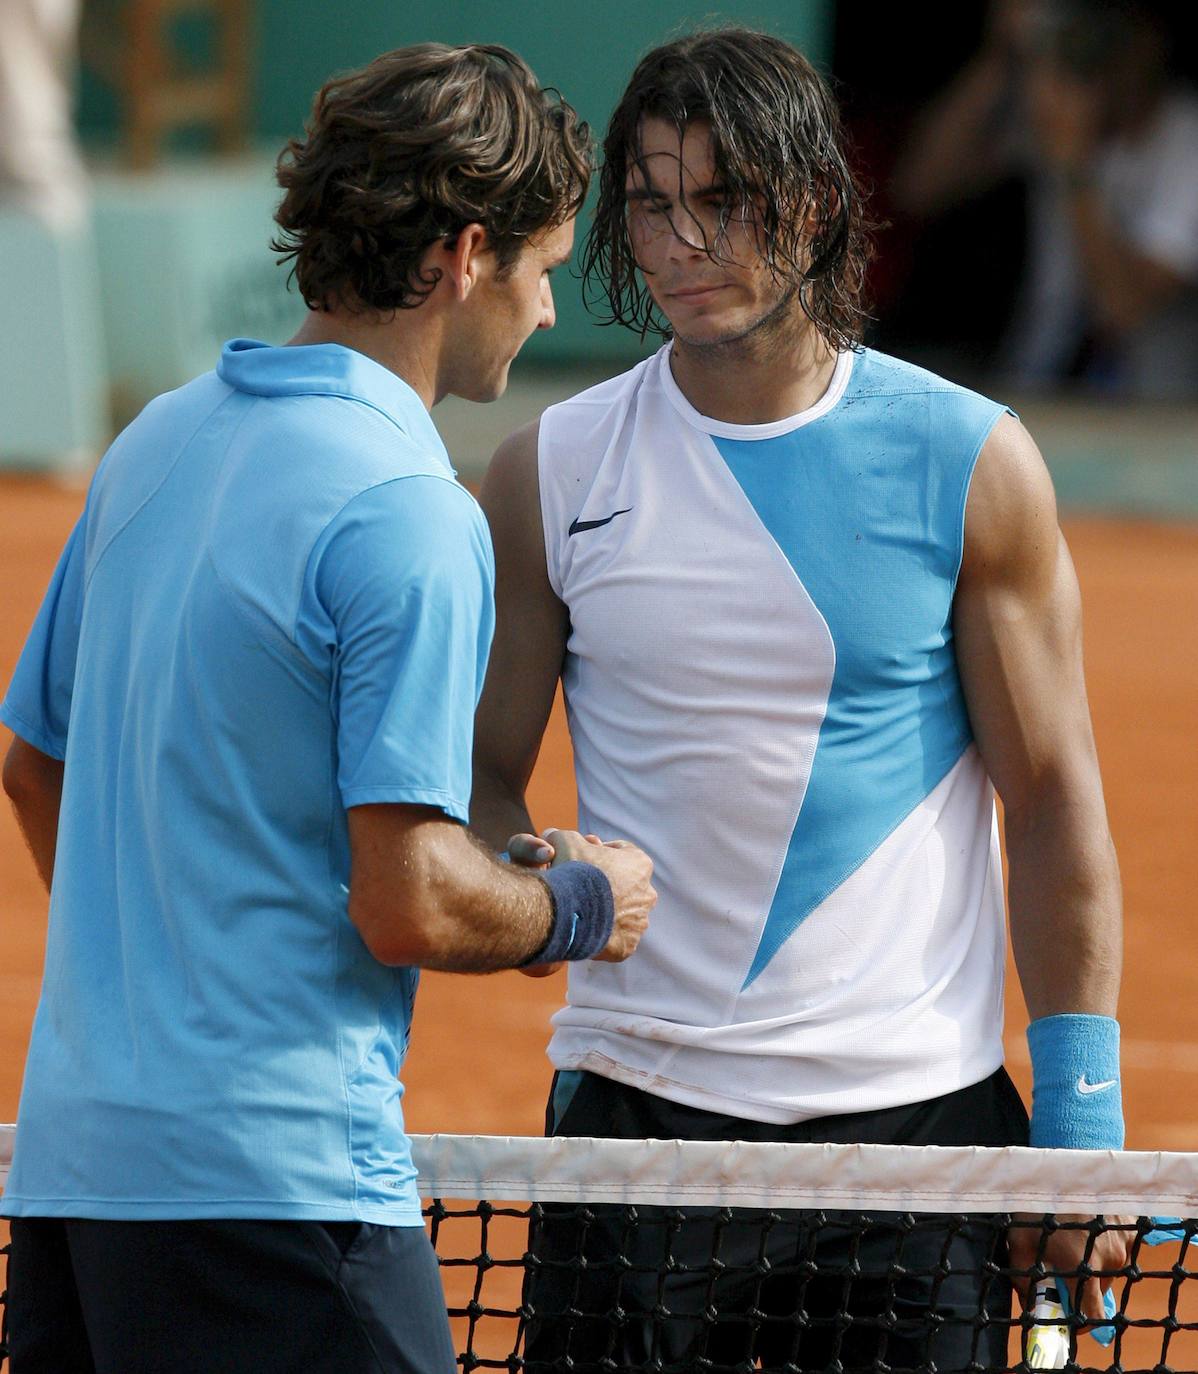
x=1077 y=1101
x=584 y=911
x=1104 y=1335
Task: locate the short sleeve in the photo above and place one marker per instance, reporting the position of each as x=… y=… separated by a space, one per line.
x=38 y=703
x=401 y=583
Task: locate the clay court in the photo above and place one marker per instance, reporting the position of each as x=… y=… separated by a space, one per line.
x=477 y=1062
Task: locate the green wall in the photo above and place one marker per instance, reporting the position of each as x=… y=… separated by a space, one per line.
x=586 y=50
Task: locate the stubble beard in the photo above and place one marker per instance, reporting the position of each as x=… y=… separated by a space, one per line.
x=770 y=332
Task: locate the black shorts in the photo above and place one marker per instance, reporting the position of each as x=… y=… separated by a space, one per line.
x=781 y=1293
x=224 y=1297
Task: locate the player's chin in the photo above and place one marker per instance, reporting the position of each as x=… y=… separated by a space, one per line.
x=488 y=386
x=706 y=326
x=709 y=332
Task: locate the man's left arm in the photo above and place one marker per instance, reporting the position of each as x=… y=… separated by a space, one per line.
x=37 y=706
x=1017 y=622
x=33 y=781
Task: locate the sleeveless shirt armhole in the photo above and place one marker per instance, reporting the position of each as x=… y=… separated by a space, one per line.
x=967 y=471
x=550 y=516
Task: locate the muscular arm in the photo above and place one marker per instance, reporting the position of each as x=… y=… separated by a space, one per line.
x=1018 y=626
x=33 y=781
x=530 y=642
x=1017 y=621
x=423 y=892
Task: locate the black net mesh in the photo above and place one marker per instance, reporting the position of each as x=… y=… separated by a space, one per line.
x=630 y=1289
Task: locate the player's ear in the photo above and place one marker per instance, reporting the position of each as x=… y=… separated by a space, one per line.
x=828 y=200
x=466 y=259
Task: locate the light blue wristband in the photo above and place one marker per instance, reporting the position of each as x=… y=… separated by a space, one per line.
x=1077 y=1100
x=1105 y=1334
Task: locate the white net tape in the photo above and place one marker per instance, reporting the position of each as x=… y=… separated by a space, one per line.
x=897 y=1178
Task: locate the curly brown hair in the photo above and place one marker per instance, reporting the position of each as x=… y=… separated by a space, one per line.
x=778 y=149
x=408 y=151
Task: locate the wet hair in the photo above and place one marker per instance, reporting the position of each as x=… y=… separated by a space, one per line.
x=778 y=151
x=410 y=150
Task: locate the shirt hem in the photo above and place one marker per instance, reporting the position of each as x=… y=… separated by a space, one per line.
x=94 y=1209
x=689 y=1095
x=415 y=796
x=30 y=734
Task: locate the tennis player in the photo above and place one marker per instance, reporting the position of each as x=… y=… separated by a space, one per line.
x=810 y=607
x=242 y=763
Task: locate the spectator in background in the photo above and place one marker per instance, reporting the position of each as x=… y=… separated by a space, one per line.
x=1076 y=98
x=40 y=167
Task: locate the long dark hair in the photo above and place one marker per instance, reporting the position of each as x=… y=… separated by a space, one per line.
x=778 y=150
x=411 y=149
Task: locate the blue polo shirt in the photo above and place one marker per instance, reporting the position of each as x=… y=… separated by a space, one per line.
x=275 y=606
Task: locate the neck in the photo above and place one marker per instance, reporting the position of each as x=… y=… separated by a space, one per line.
x=778 y=370
x=403 y=344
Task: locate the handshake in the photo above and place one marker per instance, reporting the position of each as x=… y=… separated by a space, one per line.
x=627 y=868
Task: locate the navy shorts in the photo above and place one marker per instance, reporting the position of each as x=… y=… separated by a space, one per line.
x=224 y=1297
x=649 y=1299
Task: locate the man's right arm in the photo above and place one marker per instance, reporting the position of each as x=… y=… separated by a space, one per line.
x=400 y=584
x=423 y=892
x=531 y=626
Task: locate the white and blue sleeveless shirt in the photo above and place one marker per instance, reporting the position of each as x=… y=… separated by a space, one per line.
x=762 y=691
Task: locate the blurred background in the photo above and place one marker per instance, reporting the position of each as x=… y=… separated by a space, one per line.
x=1033 y=168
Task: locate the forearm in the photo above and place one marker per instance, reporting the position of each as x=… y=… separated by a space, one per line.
x=1066 y=909
x=498 y=809
x=483 y=916
x=33 y=782
x=1066 y=928
x=424 y=892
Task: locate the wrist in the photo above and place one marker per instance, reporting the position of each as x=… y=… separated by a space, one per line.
x=1077 y=1100
x=583 y=913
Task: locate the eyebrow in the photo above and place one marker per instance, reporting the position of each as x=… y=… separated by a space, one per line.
x=647 y=193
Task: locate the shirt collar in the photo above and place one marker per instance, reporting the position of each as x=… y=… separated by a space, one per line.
x=327 y=370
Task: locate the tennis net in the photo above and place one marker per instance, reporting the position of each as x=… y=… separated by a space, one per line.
x=666 y=1257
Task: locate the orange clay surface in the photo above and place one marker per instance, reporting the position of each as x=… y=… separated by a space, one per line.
x=477 y=1062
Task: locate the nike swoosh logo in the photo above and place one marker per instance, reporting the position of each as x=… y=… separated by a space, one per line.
x=579 y=525
x=1086 y=1088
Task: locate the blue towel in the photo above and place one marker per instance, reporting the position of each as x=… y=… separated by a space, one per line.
x=1164 y=1230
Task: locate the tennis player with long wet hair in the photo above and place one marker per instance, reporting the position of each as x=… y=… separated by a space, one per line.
x=242 y=763
x=810 y=607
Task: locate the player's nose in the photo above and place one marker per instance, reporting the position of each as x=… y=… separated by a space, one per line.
x=686 y=239
x=548 y=309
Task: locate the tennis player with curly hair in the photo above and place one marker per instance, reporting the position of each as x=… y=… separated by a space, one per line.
x=810 y=608
x=242 y=762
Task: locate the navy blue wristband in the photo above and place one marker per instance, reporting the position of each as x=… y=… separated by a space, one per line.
x=1077 y=1102
x=584 y=911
